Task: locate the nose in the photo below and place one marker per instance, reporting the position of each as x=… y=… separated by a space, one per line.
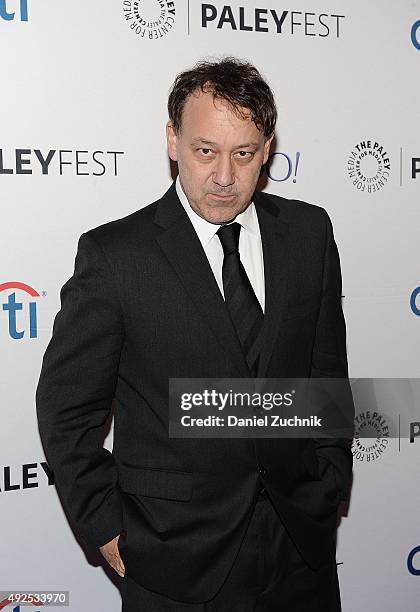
x=223 y=173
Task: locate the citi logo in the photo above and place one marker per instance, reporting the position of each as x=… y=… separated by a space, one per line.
x=8 y=14
x=415 y=34
x=415 y=301
x=21 y=314
x=411 y=565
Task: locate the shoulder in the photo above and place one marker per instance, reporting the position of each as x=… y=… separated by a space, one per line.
x=305 y=217
x=292 y=208
x=121 y=236
x=124 y=227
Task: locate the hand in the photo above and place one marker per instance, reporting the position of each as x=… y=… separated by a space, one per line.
x=112 y=555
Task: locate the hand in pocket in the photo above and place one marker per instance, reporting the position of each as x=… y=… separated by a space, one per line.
x=112 y=555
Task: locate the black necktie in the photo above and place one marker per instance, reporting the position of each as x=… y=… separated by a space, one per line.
x=241 y=301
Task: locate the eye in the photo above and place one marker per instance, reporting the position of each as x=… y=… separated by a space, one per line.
x=205 y=151
x=245 y=154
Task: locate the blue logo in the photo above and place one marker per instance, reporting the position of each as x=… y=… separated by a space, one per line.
x=413 y=298
x=280 y=166
x=415 y=34
x=12 y=306
x=415 y=571
x=9 y=16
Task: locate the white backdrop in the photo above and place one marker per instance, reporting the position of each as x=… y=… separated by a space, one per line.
x=83 y=109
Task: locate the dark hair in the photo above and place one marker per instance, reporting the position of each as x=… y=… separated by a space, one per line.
x=236 y=81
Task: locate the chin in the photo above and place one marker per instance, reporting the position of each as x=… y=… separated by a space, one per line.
x=219 y=217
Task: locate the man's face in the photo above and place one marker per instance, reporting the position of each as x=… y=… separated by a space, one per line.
x=219 y=157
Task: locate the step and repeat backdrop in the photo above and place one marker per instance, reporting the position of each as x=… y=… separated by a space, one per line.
x=83 y=112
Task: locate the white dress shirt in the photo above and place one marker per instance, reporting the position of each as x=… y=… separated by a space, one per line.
x=250 y=245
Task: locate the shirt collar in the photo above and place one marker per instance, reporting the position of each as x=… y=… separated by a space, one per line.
x=205 y=230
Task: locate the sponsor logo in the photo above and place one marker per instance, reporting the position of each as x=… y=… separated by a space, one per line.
x=62 y=162
x=150 y=19
x=415 y=571
x=415 y=34
x=25 y=476
x=415 y=301
x=23 y=324
x=281 y=167
x=270 y=20
x=371 y=436
x=368 y=166
x=20 y=11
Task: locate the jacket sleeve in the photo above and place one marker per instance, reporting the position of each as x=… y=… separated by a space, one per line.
x=329 y=360
x=75 y=392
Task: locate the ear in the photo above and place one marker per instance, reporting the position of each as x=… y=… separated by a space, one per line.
x=267 y=146
x=171 y=140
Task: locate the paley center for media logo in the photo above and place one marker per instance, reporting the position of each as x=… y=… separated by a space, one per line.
x=219 y=16
x=14 y=10
x=151 y=19
x=371 y=436
x=19 y=309
x=369 y=166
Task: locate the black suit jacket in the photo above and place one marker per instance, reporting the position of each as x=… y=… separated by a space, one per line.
x=143 y=306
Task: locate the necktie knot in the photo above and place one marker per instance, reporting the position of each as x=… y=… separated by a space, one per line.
x=229 y=237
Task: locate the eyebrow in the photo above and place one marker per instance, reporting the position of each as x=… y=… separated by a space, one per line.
x=213 y=144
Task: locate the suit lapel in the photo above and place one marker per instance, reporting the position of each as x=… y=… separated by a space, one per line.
x=185 y=253
x=274 y=235
x=183 y=249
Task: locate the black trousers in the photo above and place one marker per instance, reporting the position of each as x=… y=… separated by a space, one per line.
x=268 y=575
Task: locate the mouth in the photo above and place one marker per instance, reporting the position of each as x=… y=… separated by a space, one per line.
x=222 y=197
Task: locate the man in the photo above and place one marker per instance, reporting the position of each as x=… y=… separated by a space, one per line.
x=201 y=524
